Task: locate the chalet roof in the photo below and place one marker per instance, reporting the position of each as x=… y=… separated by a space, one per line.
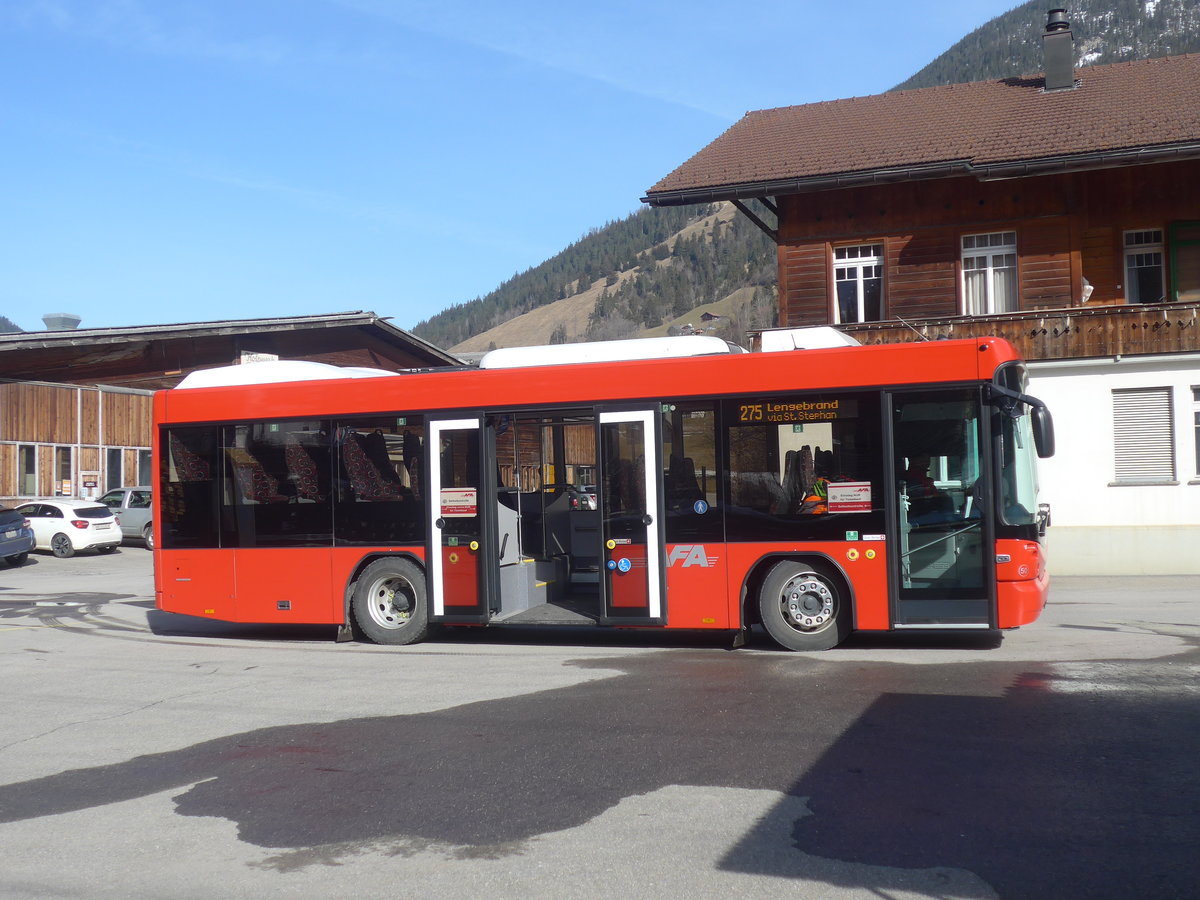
x=1127 y=113
x=158 y=356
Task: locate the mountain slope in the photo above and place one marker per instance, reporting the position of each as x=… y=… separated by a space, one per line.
x=1105 y=31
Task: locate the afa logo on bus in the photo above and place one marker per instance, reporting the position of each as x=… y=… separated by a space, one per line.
x=690 y=555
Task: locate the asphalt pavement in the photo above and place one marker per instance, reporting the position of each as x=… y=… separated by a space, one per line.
x=151 y=755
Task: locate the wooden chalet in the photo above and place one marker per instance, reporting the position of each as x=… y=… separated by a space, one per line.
x=75 y=404
x=1060 y=211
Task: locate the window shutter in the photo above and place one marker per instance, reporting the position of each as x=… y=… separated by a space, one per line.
x=1144 y=434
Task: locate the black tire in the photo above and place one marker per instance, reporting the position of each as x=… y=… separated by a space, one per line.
x=148 y=535
x=61 y=546
x=802 y=609
x=389 y=605
x=109 y=549
x=17 y=559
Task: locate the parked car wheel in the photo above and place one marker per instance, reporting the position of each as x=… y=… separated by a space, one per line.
x=61 y=546
x=17 y=559
x=148 y=535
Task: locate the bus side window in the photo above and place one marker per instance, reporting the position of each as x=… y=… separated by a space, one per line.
x=788 y=454
x=691 y=488
x=276 y=493
x=378 y=498
x=189 y=487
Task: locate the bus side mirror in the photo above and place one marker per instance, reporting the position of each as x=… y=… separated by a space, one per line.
x=1043 y=431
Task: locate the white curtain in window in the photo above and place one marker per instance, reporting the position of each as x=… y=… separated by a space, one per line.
x=975 y=285
x=1004 y=282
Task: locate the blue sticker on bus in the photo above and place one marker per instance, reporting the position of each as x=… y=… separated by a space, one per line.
x=700 y=506
x=612 y=564
x=624 y=565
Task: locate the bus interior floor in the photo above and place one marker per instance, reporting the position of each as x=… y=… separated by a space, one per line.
x=576 y=609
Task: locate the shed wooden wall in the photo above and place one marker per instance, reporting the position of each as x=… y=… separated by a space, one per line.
x=87 y=419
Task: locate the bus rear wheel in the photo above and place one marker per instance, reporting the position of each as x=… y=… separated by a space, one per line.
x=801 y=609
x=389 y=603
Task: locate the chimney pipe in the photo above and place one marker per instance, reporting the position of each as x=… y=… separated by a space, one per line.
x=1058 y=47
x=61 y=321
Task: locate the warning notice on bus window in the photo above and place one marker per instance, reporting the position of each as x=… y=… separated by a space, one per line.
x=849 y=496
x=459 y=503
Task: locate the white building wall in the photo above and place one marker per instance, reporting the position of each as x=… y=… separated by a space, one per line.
x=1102 y=528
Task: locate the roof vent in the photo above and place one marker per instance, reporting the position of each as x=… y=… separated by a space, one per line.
x=1058 y=47
x=815 y=337
x=61 y=321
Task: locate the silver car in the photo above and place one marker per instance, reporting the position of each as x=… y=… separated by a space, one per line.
x=133 y=508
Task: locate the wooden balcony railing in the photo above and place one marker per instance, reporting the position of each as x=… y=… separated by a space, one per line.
x=1058 y=334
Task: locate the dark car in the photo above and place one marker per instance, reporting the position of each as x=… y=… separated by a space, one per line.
x=16 y=536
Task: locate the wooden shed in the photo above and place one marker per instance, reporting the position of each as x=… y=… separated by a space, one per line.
x=75 y=405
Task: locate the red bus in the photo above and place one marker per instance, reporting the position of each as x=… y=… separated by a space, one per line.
x=815 y=492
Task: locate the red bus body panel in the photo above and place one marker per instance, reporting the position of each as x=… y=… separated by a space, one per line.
x=863 y=562
x=750 y=373
x=704 y=581
x=1022 y=583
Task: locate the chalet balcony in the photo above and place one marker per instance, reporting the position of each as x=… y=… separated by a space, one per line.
x=1078 y=332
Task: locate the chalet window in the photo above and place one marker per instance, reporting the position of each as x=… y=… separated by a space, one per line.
x=1144 y=266
x=989 y=263
x=858 y=275
x=1184 y=239
x=1143 y=436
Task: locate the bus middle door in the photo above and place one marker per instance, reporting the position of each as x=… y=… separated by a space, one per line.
x=461 y=558
x=629 y=492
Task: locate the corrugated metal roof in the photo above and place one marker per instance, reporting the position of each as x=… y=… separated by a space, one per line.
x=176 y=331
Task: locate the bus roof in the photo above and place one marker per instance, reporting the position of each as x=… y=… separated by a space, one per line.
x=712 y=375
x=274 y=372
x=608 y=351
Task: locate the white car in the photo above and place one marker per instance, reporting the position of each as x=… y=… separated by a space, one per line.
x=65 y=527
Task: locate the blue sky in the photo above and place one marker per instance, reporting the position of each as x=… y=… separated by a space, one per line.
x=192 y=160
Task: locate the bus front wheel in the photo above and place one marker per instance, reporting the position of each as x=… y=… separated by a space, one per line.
x=801 y=609
x=389 y=603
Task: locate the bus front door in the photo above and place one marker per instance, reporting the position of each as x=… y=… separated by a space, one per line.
x=631 y=552
x=458 y=560
x=944 y=568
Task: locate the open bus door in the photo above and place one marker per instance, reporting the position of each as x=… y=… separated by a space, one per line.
x=944 y=567
x=631 y=552
x=461 y=558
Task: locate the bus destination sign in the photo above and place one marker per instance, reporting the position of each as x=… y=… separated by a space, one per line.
x=787 y=412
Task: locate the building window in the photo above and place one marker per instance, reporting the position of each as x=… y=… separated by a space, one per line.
x=113 y=469
x=1144 y=266
x=64 y=480
x=858 y=274
x=1143 y=436
x=145 y=472
x=27 y=484
x=989 y=263
x=1184 y=246
x=1196 y=420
